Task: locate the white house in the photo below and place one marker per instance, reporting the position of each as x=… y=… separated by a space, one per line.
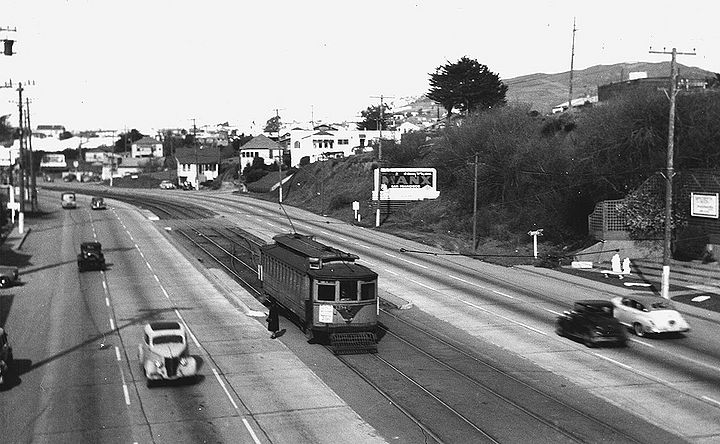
x=326 y=142
x=197 y=165
x=260 y=146
x=50 y=130
x=146 y=147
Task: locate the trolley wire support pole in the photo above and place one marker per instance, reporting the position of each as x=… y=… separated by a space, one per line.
x=21 y=163
x=33 y=175
x=475 y=196
x=665 y=289
x=381 y=122
x=572 y=60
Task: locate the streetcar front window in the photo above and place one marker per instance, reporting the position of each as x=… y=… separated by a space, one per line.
x=348 y=290
x=367 y=291
x=326 y=291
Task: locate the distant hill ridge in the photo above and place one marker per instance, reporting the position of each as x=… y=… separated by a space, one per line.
x=544 y=91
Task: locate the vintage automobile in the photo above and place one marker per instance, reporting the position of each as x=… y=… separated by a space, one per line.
x=8 y=275
x=167 y=185
x=163 y=353
x=648 y=315
x=98 y=203
x=91 y=256
x=68 y=200
x=6 y=356
x=592 y=322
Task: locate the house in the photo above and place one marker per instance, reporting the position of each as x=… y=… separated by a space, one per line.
x=259 y=146
x=197 y=165
x=97 y=155
x=146 y=147
x=576 y=103
x=49 y=130
x=325 y=142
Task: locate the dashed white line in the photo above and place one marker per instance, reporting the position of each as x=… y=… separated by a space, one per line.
x=707 y=398
x=251 y=431
x=367 y=262
x=222 y=384
x=392 y=272
x=192 y=336
x=127 y=394
x=423 y=285
x=104 y=285
x=405 y=260
x=503 y=317
x=107 y=302
x=112 y=324
x=157 y=279
x=117 y=353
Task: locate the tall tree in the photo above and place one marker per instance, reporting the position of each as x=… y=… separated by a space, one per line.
x=372 y=118
x=6 y=131
x=273 y=125
x=467 y=86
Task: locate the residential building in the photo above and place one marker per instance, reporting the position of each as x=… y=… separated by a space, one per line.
x=49 y=130
x=97 y=155
x=197 y=165
x=260 y=146
x=146 y=147
x=326 y=142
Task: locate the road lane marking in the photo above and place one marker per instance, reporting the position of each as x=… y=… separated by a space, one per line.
x=112 y=324
x=503 y=317
x=251 y=431
x=222 y=384
x=104 y=285
x=423 y=285
x=392 y=272
x=192 y=336
x=107 y=302
x=405 y=260
x=117 y=353
x=707 y=398
x=367 y=262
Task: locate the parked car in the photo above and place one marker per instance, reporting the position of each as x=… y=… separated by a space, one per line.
x=164 y=354
x=6 y=356
x=68 y=200
x=592 y=322
x=98 y=203
x=68 y=178
x=91 y=256
x=648 y=315
x=167 y=185
x=8 y=275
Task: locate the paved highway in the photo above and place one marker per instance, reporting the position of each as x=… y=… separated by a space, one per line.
x=75 y=337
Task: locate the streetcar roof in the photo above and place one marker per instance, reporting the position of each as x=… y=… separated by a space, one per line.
x=308 y=247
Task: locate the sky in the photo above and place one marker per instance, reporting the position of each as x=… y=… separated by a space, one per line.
x=152 y=64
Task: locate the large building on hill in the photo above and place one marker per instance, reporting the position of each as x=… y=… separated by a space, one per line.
x=327 y=142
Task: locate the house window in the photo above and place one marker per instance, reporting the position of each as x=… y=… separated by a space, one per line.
x=297 y=144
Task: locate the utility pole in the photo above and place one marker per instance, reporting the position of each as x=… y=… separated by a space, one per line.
x=197 y=167
x=475 y=204
x=380 y=125
x=21 y=163
x=665 y=290
x=280 y=155
x=33 y=178
x=572 y=60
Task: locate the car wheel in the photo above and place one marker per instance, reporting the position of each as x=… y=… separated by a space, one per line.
x=559 y=331
x=638 y=329
x=4 y=282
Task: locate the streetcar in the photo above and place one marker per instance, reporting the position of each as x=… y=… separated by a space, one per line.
x=333 y=298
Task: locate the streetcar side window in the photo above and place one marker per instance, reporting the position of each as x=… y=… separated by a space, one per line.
x=348 y=290
x=367 y=291
x=326 y=291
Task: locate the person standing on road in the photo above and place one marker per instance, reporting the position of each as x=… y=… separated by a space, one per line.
x=273 y=320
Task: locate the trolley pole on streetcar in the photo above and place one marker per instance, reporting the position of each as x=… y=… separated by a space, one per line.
x=665 y=289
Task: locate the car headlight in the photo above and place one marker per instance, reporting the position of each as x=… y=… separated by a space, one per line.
x=183 y=361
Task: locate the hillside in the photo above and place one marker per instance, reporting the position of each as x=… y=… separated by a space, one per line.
x=544 y=91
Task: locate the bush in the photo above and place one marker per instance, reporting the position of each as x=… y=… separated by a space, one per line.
x=691 y=244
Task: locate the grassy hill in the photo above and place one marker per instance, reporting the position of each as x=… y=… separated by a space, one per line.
x=544 y=91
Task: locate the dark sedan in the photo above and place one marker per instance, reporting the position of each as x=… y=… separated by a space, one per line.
x=592 y=322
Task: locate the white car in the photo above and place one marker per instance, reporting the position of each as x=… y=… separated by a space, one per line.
x=164 y=352
x=167 y=185
x=648 y=315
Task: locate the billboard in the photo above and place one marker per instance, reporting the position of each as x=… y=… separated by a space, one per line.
x=53 y=161
x=704 y=205
x=405 y=184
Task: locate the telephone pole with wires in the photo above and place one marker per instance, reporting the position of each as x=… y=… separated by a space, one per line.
x=380 y=125
x=572 y=60
x=665 y=289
